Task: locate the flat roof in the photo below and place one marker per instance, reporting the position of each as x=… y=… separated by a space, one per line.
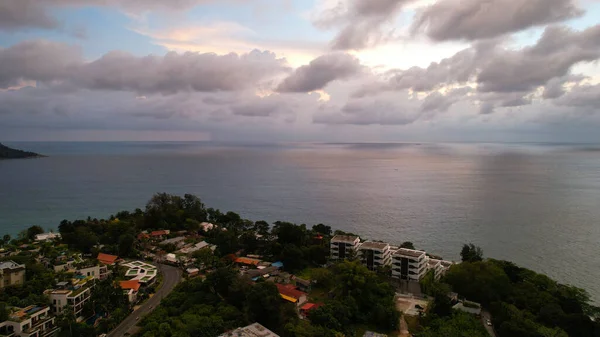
x=374 y=245
x=409 y=252
x=344 y=238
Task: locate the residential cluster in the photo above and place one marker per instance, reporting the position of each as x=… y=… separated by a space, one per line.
x=406 y=264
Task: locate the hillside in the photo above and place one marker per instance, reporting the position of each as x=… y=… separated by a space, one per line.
x=8 y=153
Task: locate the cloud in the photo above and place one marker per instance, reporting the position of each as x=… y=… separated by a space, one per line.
x=477 y=19
x=21 y=14
x=62 y=65
x=320 y=72
x=509 y=77
x=362 y=23
x=585 y=96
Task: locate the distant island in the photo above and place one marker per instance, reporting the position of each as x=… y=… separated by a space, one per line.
x=9 y=153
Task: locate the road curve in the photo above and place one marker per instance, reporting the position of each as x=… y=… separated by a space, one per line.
x=171 y=276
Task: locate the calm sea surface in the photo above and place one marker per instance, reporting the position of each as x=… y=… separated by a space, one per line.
x=536 y=205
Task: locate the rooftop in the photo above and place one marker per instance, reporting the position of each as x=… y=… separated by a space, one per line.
x=107 y=258
x=433 y=262
x=11 y=265
x=247 y=260
x=252 y=330
x=289 y=290
x=374 y=245
x=21 y=314
x=344 y=238
x=160 y=233
x=131 y=284
x=173 y=240
x=409 y=252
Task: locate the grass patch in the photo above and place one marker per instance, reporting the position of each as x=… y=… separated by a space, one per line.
x=305 y=273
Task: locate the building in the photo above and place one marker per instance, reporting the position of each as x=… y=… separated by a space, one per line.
x=308 y=307
x=303 y=285
x=375 y=254
x=373 y=334
x=130 y=289
x=140 y=271
x=206 y=226
x=75 y=294
x=97 y=272
x=247 y=261
x=192 y=271
x=198 y=246
x=436 y=266
x=343 y=246
x=178 y=241
x=252 y=330
x=160 y=234
x=409 y=264
x=107 y=259
x=33 y=321
x=289 y=293
x=11 y=274
x=47 y=236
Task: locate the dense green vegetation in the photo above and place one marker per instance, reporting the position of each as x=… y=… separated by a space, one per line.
x=522 y=302
x=9 y=153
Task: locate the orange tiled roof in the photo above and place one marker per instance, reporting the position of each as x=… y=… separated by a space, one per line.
x=132 y=284
x=159 y=233
x=107 y=259
x=247 y=260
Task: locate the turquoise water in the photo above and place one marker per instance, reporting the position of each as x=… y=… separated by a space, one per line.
x=537 y=205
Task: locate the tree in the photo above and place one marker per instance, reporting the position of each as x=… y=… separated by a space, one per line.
x=322 y=229
x=126 y=245
x=6 y=239
x=407 y=245
x=261 y=227
x=471 y=253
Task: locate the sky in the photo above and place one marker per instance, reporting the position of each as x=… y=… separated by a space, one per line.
x=300 y=70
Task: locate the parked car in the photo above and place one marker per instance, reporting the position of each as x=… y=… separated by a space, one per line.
x=488 y=322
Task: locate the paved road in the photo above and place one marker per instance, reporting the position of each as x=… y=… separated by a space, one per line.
x=485 y=315
x=171 y=276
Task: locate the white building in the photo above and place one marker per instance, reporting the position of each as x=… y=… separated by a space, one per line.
x=409 y=264
x=140 y=271
x=11 y=274
x=75 y=294
x=375 y=254
x=47 y=236
x=97 y=272
x=342 y=246
x=33 y=321
x=436 y=266
x=252 y=330
x=206 y=226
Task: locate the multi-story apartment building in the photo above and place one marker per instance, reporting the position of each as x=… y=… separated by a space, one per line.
x=99 y=272
x=409 y=264
x=436 y=266
x=344 y=246
x=11 y=274
x=33 y=321
x=375 y=254
x=75 y=294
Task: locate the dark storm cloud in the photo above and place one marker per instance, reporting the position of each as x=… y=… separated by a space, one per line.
x=320 y=72
x=477 y=19
x=59 y=64
x=363 y=22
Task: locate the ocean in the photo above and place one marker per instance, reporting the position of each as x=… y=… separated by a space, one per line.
x=537 y=205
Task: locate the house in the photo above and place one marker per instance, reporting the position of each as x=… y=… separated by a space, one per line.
x=254 y=273
x=409 y=264
x=47 y=236
x=74 y=293
x=171 y=258
x=107 y=259
x=198 y=246
x=160 y=233
x=11 y=274
x=247 y=261
x=130 y=289
x=375 y=254
x=307 y=307
x=252 y=330
x=302 y=284
x=468 y=307
x=178 y=241
x=192 y=271
x=343 y=246
x=32 y=321
x=289 y=293
x=143 y=236
x=206 y=226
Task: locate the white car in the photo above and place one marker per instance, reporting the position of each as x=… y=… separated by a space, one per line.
x=488 y=322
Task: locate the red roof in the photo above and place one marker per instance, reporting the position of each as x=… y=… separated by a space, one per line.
x=159 y=233
x=143 y=236
x=107 y=259
x=310 y=306
x=290 y=290
x=133 y=284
